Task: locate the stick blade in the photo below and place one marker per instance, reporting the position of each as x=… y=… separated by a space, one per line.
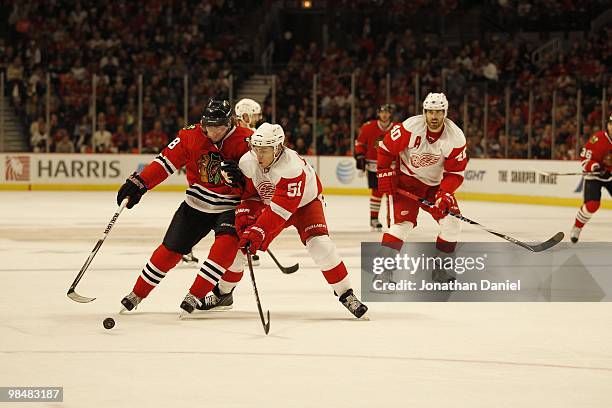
x=290 y=269
x=554 y=240
x=78 y=298
x=267 y=325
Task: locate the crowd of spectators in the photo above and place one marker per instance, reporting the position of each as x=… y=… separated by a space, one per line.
x=466 y=73
x=164 y=40
x=116 y=42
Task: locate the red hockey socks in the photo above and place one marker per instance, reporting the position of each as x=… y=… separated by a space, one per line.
x=221 y=255
x=445 y=246
x=375 y=200
x=155 y=270
x=586 y=212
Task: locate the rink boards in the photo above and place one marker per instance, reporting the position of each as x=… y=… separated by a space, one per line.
x=518 y=181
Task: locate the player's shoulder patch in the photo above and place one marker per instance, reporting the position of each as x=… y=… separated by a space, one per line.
x=189 y=127
x=594 y=139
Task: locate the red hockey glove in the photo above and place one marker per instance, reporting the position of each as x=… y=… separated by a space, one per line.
x=253 y=237
x=247 y=214
x=387 y=181
x=444 y=202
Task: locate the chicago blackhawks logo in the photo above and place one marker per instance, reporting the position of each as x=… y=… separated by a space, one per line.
x=423 y=159
x=209 y=166
x=266 y=190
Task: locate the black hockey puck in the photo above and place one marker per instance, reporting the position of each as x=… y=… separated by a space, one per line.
x=109 y=323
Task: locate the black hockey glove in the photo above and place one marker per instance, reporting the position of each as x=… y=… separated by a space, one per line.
x=134 y=187
x=360 y=161
x=231 y=173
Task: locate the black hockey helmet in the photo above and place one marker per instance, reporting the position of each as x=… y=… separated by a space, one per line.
x=386 y=107
x=218 y=112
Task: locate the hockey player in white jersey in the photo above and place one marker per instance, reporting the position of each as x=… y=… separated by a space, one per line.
x=430 y=155
x=248 y=113
x=282 y=190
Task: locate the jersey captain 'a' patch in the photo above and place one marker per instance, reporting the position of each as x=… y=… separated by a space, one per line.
x=424 y=159
x=209 y=166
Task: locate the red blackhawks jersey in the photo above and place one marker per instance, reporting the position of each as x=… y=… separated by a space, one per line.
x=202 y=159
x=290 y=183
x=597 y=151
x=432 y=158
x=370 y=135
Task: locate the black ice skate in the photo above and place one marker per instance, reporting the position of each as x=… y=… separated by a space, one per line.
x=354 y=305
x=130 y=302
x=575 y=234
x=375 y=225
x=190 y=303
x=215 y=300
x=190 y=258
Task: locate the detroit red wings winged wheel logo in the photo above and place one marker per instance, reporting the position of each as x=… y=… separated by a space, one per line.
x=423 y=159
x=209 y=166
x=266 y=190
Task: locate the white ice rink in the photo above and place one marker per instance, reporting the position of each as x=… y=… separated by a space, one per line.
x=406 y=355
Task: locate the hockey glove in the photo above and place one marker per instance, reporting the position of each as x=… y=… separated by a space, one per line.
x=444 y=202
x=387 y=181
x=360 y=161
x=232 y=176
x=134 y=188
x=253 y=237
x=246 y=216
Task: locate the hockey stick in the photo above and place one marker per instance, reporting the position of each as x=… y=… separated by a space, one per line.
x=584 y=173
x=71 y=293
x=554 y=240
x=266 y=325
x=284 y=269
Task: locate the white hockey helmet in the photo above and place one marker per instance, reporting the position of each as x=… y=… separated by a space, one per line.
x=436 y=101
x=251 y=108
x=268 y=134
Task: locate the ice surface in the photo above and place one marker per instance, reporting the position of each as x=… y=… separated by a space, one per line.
x=408 y=354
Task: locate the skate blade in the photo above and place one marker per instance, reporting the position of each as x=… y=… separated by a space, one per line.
x=124 y=311
x=200 y=313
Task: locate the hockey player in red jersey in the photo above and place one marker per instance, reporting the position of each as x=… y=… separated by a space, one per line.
x=282 y=190
x=366 y=146
x=430 y=155
x=248 y=114
x=596 y=157
x=209 y=204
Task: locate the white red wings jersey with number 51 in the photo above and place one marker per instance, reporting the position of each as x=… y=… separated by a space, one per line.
x=432 y=158
x=202 y=159
x=290 y=183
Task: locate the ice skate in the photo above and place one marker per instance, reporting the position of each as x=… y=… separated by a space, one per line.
x=375 y=225
x=190 y=303
x=190 y=258
x=215 y=300
x=130 y=302
x=575 y=234
x=354 y=305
